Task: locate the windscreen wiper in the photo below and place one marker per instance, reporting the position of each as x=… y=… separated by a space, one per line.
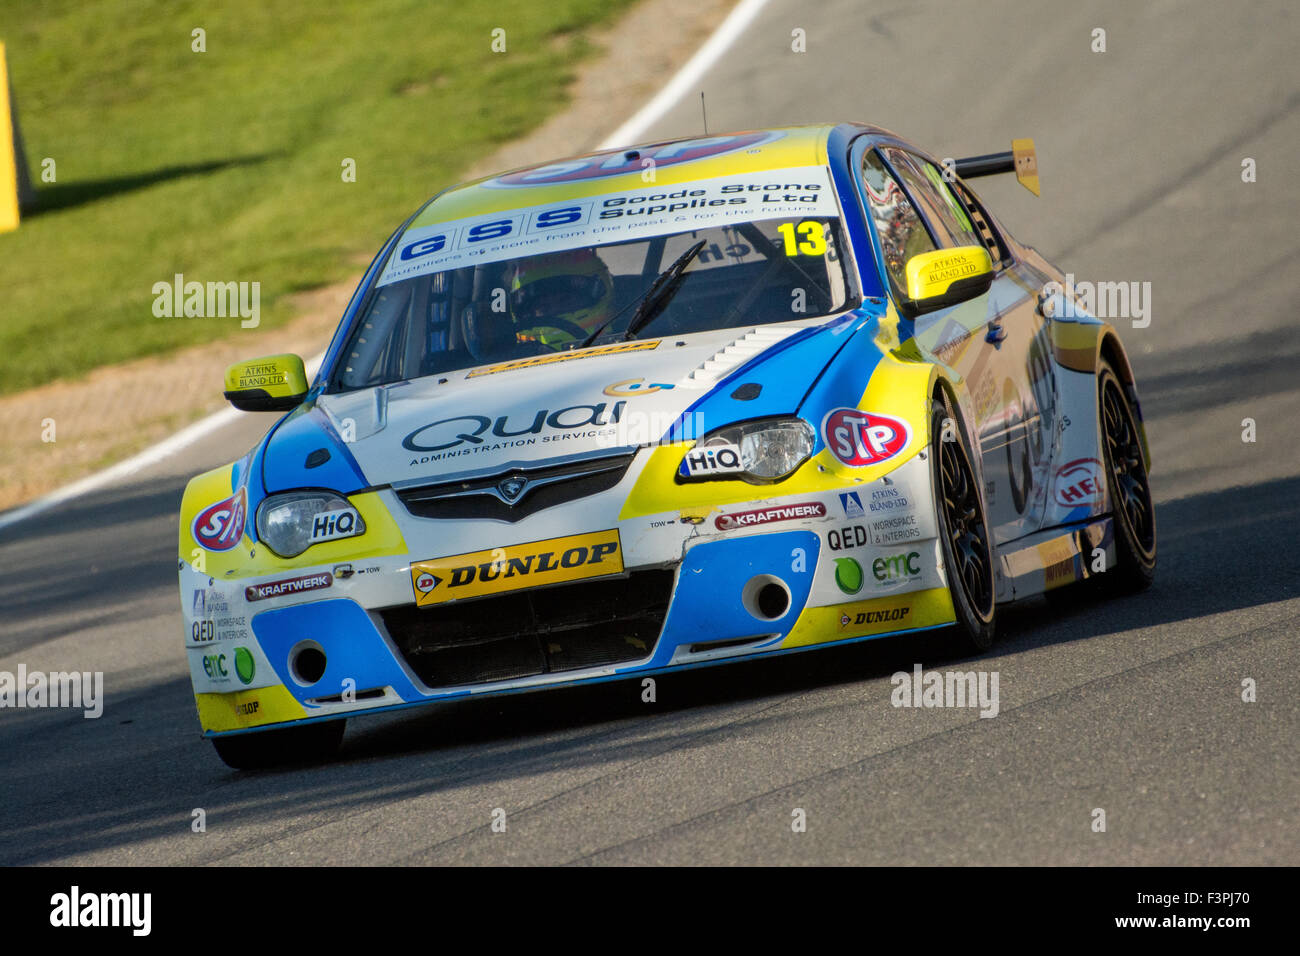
x=655 y=298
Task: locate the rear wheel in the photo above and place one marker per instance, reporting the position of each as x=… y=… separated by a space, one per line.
x=1129 y=489
x=309 y=743
x=963 y=528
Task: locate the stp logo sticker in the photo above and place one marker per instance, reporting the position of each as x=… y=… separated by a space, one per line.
x=219 y=527
x=864 y=438
x=1079 y=483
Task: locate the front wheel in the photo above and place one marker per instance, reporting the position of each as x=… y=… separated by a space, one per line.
x=309 y=743
x=963 y=528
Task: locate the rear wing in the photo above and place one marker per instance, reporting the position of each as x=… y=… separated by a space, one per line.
x=1021 y=160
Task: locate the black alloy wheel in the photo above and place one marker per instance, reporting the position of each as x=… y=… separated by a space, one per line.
x=963 y=529
x=1129 y=487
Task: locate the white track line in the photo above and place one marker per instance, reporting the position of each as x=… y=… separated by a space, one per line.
x=156 y=453
x=682 y=83
x=150 y=456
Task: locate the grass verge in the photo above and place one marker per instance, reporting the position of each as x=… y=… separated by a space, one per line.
x=227 y=165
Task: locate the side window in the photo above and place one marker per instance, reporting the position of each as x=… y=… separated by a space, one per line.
x=902 y=233
x=925 y=182
x=998 y=251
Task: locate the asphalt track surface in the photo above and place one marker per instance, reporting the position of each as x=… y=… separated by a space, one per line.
x=1133 y=705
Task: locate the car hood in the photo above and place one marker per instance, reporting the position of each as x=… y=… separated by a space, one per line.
x=561 y=407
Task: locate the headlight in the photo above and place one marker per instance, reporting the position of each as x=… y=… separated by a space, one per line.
x=291 y=523
x=759 y=451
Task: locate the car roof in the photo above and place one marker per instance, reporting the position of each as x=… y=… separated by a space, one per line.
x=676 y=161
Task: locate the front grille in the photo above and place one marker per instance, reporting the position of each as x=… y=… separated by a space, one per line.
x=526 y=633
x=546 y=487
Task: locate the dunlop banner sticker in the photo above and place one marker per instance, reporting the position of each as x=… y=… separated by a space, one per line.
x=497 y=570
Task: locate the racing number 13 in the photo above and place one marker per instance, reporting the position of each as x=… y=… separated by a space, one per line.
x=813 y=242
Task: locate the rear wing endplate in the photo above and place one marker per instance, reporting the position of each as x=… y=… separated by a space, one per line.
x=1021 y=160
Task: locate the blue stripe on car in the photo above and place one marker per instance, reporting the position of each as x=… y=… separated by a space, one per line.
x=707 y=606
x=353 y=648
x=306 y=429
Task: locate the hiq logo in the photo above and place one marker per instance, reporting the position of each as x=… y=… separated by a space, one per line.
x=712 y=460
x=336 y=524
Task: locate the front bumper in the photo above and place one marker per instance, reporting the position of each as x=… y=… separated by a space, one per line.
x=694 y=589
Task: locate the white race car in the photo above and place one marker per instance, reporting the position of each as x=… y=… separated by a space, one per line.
x=656 y=408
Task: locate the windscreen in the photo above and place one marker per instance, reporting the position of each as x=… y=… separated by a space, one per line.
x=537 y=280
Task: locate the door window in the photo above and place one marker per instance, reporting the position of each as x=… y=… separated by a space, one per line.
x=902 y=232
x=938 y=205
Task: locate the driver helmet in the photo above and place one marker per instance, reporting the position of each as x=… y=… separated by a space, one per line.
x=574 y=287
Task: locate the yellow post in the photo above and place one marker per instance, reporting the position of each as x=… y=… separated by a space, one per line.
x=8 y=157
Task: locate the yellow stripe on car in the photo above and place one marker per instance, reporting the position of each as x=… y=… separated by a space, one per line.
x=382 y=536
x=247 y=708
x=837 y=622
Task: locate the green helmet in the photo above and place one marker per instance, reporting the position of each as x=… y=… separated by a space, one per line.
x=574 y=287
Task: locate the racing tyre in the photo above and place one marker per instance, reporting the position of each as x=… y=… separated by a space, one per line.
x=1127 y=485
x=963 y=530
x=310 y=743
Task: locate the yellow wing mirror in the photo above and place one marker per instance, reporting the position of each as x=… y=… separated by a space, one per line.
x=276 y=383
x=946 y=277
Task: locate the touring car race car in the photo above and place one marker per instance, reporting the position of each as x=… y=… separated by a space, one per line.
x=655 y=408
